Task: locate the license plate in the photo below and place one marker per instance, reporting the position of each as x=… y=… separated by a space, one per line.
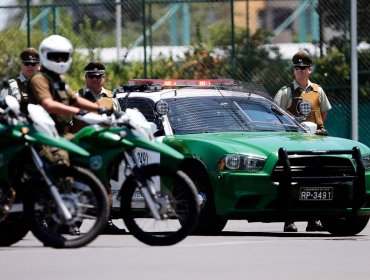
x=316 y=193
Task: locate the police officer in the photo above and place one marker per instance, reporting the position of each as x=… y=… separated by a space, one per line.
x=95 y=91
x=48 y=87
x=302 y=89
x=17 y=87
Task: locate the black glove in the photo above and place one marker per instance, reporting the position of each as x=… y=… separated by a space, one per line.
x=104 y=110
x=322 y=132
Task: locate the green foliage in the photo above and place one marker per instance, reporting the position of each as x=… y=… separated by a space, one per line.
x=332 y=66
x=211 y=56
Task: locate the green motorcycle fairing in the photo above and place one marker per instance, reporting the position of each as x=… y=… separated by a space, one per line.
x=12 y=133
x=59 y=142
x=13 y=141
x=95 y=137
x=154 y=146
x=107 y=144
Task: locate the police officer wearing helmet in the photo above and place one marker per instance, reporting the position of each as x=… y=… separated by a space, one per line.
x=94 y=91
x=17 y=87
x=291 y=96
x=49 y=88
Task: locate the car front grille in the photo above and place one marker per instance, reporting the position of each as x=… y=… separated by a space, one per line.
x=315 y=168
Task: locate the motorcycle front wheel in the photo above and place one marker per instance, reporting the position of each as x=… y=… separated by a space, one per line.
x=86 y=200
x=12 y=229
x=173 y=194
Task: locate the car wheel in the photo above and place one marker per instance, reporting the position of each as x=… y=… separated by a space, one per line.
x=209 y=223
x=345 y=226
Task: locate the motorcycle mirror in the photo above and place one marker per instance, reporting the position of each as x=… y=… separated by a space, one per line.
x=13 y=104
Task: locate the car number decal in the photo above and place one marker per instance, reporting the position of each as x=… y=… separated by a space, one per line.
x=145 y=157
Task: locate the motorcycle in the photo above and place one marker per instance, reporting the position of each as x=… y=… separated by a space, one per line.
x=159 y=205
x=49 y=199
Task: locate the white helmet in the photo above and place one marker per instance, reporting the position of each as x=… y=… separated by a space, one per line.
x=56 y=53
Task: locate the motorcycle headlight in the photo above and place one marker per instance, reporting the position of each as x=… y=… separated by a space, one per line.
x=241 y=163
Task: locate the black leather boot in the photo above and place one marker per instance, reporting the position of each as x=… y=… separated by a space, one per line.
x=112 y=229
x=315 y=225
x=290 y=227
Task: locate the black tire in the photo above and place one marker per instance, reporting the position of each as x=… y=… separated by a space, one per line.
x=86 y=199
x=12 y=229
x=209 y=223
x=177 y=221
x=345 y=226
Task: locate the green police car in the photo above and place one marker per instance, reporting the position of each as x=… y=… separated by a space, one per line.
x=252 y=160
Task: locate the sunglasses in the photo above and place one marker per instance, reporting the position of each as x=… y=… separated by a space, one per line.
x=94 y=76
x=33 y=64
x=300 y=67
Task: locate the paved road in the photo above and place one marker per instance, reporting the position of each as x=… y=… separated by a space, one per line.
x=244 y=251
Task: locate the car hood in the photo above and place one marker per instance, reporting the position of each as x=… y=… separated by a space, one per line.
x=266 y=143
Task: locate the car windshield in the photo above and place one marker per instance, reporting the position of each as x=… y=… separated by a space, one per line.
x=207 y=114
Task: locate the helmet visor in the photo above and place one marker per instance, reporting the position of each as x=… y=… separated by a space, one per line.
x=58 y=56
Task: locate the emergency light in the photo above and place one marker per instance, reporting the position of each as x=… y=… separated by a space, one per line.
x=182 y=83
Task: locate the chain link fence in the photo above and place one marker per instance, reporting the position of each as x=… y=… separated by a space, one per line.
x=249 y=40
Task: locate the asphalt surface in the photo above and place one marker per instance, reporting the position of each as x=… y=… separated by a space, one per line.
x=243 y=251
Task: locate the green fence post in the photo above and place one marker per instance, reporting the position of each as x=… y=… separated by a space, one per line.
x=233 y=57
x=28 y=24
x=144 y=39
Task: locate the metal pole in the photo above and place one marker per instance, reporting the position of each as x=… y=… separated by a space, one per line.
x=186 y=24
x=354 y=70
x=150 y=41
x=321 y=32
x=233 y=58
x=28 y=24
x=144 y=37
x=118 y=28
x=54 y=20
x=247 y=19
x=303 y=24
x=174 y=40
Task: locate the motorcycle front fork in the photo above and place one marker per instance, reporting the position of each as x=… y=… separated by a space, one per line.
x=148 y=191
x=63 y=210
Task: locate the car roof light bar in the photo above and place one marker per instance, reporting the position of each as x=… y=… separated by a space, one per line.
x=183 y=83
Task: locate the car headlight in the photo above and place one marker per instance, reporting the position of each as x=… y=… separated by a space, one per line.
x=241 y=163
x=366 y=161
